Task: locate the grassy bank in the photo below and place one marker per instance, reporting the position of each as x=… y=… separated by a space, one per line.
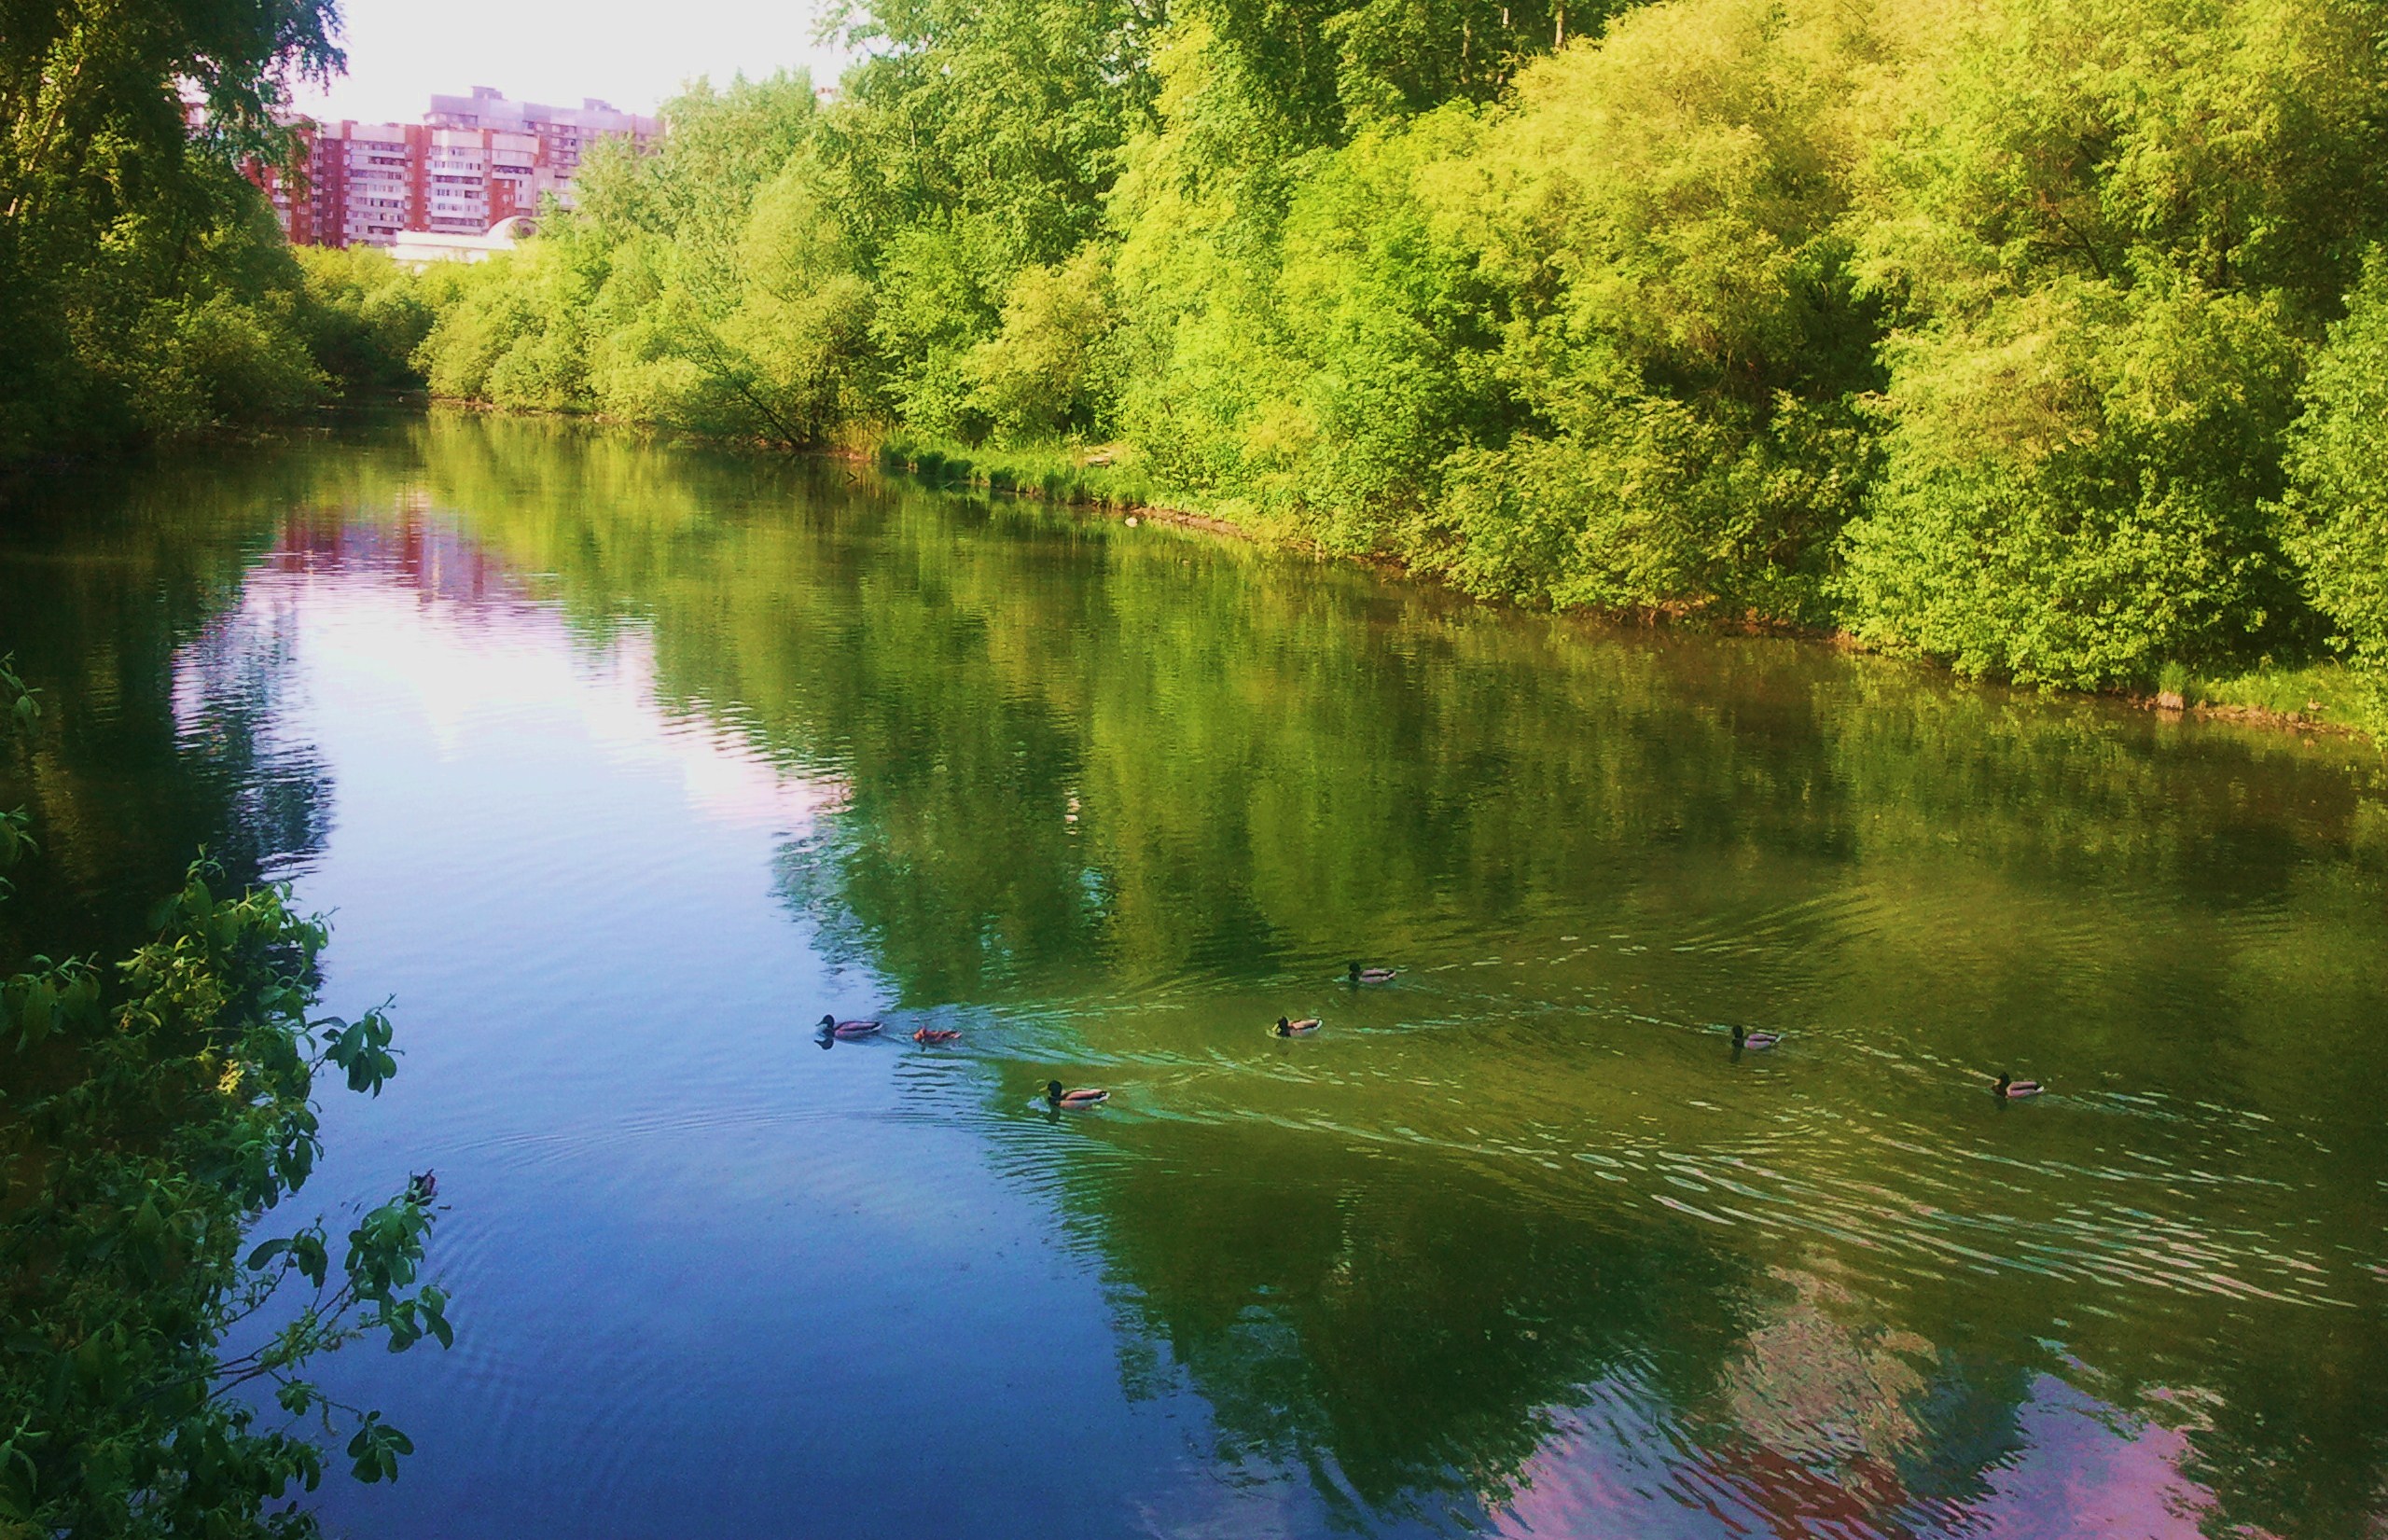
x=2328 y=695
x=1104 y=477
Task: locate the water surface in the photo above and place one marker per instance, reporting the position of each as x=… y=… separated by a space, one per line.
x=618 y=765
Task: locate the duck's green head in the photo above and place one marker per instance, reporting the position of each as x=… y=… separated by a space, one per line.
x=1052 y=1091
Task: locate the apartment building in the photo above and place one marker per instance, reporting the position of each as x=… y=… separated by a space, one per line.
x=472 y=163
x=566 y=133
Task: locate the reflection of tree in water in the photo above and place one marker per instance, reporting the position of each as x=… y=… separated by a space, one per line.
x=1413 y=1331
x=1825 y=1414
x=2292 y=1440
x=122 y=593
x=934 y=865
x=1808 y=1386
x=228 y=689
x=1395 y=1323
x=1074 y=755
x=1413 y=1326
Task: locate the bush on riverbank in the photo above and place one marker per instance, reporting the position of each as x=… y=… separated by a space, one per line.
x=701 y=289
x=365 y=316
x=1107 y=478
x=2337 y=513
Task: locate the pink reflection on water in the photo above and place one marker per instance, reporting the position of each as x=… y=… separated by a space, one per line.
x=2085 y=1471
x=412 y=614
x=414 y=547
x=2090 y=1470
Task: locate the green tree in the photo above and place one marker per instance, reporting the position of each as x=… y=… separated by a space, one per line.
x=2076 y=489
x=365 y=315
x=1974 y=331
x=1668 y=212
x=2336 y=508
x=709 y=286
x=142 y=289
x=2111 y=234
x=1044 y=374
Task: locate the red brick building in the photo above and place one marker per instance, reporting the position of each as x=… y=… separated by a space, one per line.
x=472 y=163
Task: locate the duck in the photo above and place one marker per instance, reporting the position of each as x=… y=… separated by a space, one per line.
x=1359 y=975
x=937 y=1035
x=1302 y=1028
x=832 y=1027
x=1754 y=1040
x=422 y=1187
x=1084 y=1097
x=2010 y=1087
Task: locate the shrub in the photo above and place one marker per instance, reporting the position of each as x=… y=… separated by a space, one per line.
x=2335 y=518
x=2076 y=490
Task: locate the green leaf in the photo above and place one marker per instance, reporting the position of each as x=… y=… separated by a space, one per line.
x=314 y=1260
x=376 y=1450
x=18 y=1478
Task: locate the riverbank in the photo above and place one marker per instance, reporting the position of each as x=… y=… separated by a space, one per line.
x=2320 y=696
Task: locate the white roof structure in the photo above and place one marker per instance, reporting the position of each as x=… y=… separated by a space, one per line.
x=419 y=249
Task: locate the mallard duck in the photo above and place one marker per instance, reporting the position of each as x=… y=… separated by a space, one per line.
x=832 y=1027
x=2009 y=1087
x=1083 y=1097
x=937 y=1035
x=1296 y=1029
x=1359 y=975
x=1757 y=1040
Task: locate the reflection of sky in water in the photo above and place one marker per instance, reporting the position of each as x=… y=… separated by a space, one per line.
x=2078 y=1470
x=712 y=1279
x=707 y=1269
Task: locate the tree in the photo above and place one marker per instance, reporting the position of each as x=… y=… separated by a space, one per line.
x=2110 y=236
x=138 y=294
x=1976 y=331
x=2336 y=513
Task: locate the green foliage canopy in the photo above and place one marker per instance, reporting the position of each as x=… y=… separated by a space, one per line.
x=2113 y=239
x=144 y=291
x=1979 y=332
x=2336 y=514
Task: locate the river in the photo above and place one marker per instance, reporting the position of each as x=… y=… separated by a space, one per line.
x=618 y=765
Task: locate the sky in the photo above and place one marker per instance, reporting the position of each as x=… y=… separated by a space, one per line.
x=633 y=54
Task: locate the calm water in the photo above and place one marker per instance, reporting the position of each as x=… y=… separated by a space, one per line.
x=618 y=766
